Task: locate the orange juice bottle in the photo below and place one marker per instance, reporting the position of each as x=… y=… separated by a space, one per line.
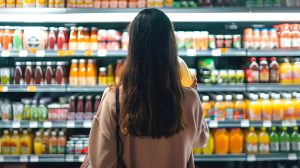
x=254 y=111
x=94 y=39
x=206 y=106
x=15 y=143
x=239 y=107
x=82 y=73
x=209 y=149
x=26 y=143
x=266 y=108
x=296 y=71
x=277 y=108
x=38 y=147
x=297 y=106
x=221 y=141
x=81 y=39
x=220 y=108
x=86 y=38
x=263 y=141
x=251 y=141
x=45 y=143
x=91 y=76
x=74 y=76
x=229 y=108
x=73 y=41
x=236 y=141
x=286 y=69
x=289 y=108
x=5 y=143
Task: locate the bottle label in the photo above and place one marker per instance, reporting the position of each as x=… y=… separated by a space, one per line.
x=263 y=147
x=290 y=113
x=295 y=146
x=255 y=76
x=296 y=42
x=229 y=113
x=285 y=42
x=274 y=75
x=220 y=114
x=61 y=149
x=13 y=150
x=5 y=149
x=264 y=75
x=266 y=115
x=278 y=114
x=296 y=75
x=251 y=148
x=24 y=149
x=274 y=147
x=285 y=146
x=239 y=113
x=52 y=149
x=253 y=116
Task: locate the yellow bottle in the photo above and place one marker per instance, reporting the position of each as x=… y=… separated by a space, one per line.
x=263 y=141
x=208 y=150
x=186 y=77
x=26 y=143
x=206 y=106
x=297 y=106
x=254 y=111
x=266 y=108
x=15 y=143
x=296 y=71
x=38 y=143
x=5 y=143
x=220 y=108
x=251 y=141
x=285 y=71
x=277 y=108
x=289 y=109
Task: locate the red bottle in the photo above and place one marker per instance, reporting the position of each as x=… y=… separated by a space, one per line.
x=61 y=39
x=252 y=71
x=52 y=38
x=274 y=71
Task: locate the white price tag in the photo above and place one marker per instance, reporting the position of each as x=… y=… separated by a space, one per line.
x=1 y=158
x=251 y=158
x=292 y=156
x=5 y=53
x=47 y=124
x=40 y=53
x=16 y=124
x=87 y=124
x=216 y=52
x=81 y=158
x=70 y=124
x=23 y=53
x=267 y=123
x=23 y=158
x=102 y=53
x=33 y=124
x=191 y=52
x=69 y=158
x=289 y=123
x=245 y=123
x=213 y=124
x=34 y=159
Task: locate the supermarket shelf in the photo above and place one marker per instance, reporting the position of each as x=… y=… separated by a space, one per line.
x=221 y=88
x=214 y=53
x=268 y=87
x=98 y=89
x=41 y=158
x=220 y=158
x=32 y=88
x=46 y=124
x=272 y=53
x=247 y=123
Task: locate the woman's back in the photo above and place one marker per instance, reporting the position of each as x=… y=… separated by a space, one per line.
x=139 y=152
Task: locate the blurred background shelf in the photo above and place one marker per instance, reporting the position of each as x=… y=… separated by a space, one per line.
x=46 y=124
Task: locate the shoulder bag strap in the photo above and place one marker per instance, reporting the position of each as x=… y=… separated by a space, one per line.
x=120 y=163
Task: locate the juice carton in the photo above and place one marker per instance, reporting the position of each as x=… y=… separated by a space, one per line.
x=221 y=141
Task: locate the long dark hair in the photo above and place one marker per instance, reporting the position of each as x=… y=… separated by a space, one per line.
x=152 y=91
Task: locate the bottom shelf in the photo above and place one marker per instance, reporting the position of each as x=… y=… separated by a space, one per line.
x=73 y=158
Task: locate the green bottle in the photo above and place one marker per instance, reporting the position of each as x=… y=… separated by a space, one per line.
x=17 y=40
x=284 y=140
x=34 y=111
x=250 y=3
x=268 y=3
x=295 y=140
x=274 y=141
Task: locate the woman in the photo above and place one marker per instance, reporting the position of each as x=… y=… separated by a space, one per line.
x=160 y=120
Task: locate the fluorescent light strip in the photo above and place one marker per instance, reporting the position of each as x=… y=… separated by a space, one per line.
x=127 y=17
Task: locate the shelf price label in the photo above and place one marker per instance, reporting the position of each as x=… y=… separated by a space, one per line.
x=23 y=53
x=47 y=124
x=289 y=123
x=33 y=124
x=60 y=53
x=292 y=156
x=251 y=158
x=191 y=52
x=23 y=158
x=1 y=158
x=267 y=123
x=69 y=52
x=5 y=53
x=40 y=53
x=88 y=53
x=102 y=53
x=31 y=88
x=3 y=88
x=34 y=159
x=245 y=123
x=213 y=124
x=216 y=52
x=16 y=124
x=87 y=124
x=69 y=158
x=70 y=124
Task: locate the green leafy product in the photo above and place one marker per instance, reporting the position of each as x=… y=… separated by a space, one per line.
x=274 y=141
x=284 y=140
x=295 y=140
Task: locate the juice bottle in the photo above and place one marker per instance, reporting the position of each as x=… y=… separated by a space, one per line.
x=221 y=141
x=286 y=72
x=252 y=72
x=277 y=108
x=61 y=39
x=251 y=141
x=266 y=108
x=81 y=39
x=229 y=108
x=15 y=143
x=61 y=143
x=86 y=38
x=102 y=76
x=236 y=141
x=45 y=143
x=82 y=73
x=264 y=70
x=289 y=107
x=38 y=146
x=91 y=75
x=296 y=71
x=53 y=143
x=209 y=149
x=254 y=108
x=284 y=140
x=239 y=107
x=73 y=41
x=186 y=78
x=274 y=140
x=295 y=140
x=285 y=37
x=263 y=141
x=274 y=71
x=52 y=39
x=26 y=143
x=94 y=39
x=248 y=38
x=5 y=143
x=6 y=40
x=220 y=108
x=74 y=78
x=110 y=75
x=206 y=106
x=118 y=71
x=297 y=106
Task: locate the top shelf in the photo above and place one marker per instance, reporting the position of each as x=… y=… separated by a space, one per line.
x=216 y=14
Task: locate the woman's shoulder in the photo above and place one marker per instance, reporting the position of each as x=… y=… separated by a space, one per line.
x=190 y=93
